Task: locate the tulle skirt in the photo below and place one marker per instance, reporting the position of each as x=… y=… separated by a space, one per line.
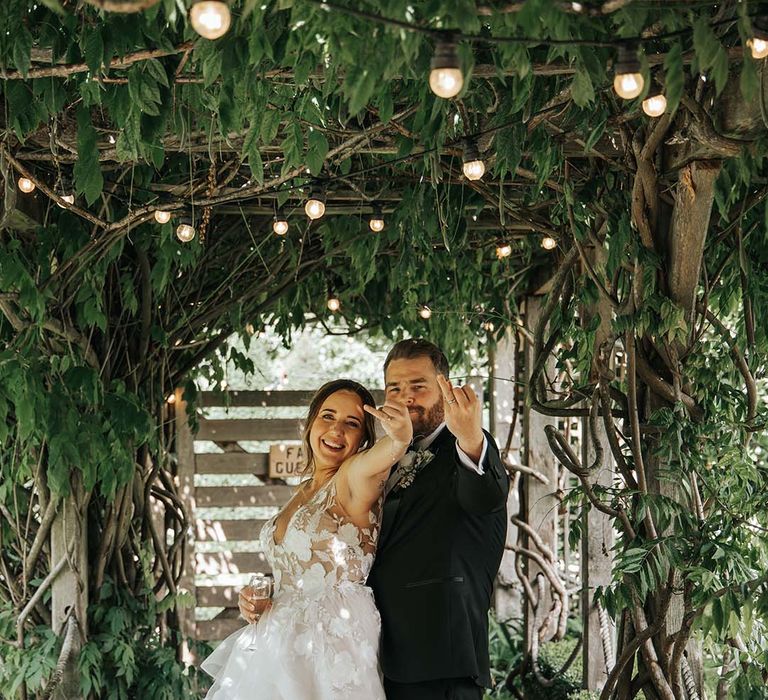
x=320 y=647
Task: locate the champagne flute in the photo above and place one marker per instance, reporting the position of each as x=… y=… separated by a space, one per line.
x=261 y=588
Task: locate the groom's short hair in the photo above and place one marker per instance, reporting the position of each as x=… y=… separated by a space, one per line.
x=412 y=348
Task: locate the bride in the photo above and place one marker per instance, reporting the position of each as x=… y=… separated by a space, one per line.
x=318 y=637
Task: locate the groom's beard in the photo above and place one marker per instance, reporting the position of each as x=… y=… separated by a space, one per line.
x=427 y=419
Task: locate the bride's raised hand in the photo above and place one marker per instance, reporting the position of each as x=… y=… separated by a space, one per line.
x=395 y=421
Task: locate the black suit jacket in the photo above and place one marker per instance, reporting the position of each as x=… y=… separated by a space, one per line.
x=439 y=550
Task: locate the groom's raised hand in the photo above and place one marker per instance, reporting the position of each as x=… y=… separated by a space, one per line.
x=463 y=416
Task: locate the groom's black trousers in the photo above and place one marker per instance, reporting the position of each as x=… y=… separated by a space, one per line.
x=448 y=689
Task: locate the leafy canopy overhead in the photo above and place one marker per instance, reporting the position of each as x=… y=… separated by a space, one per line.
x=139 y=112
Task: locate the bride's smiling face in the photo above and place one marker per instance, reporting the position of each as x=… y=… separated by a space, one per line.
x=337 y=430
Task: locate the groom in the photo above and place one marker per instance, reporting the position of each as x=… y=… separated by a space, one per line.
x=442 y=536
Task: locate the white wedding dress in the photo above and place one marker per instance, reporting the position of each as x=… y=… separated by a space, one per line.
x=320 y=638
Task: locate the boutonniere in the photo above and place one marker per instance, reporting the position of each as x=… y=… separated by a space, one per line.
x=410 y=465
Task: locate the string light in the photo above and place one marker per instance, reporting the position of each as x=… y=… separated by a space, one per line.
x=280 y=225
x=185 y=231
x=425 y=312
x=171 y=399
x=473 y=167
x=548 y=243
x=655 y=103
x=210 y=18
x=628 y=82
x=758 y=47
x=445 y=76
x=315 y=206
x=26 y=185
x=758 y=42
x=333 y=303
x=503 y=251
x=162 y=217
x=376 y=222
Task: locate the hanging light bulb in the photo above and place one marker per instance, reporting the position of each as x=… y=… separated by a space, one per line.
x=758 y=47
x=210 y=18
x=171 y=399
x=473 y=166
x=280 y=225
x=548 y=243
x=26 y=185
x=185 y=231
x=333 y=303
x=503 y=251
x=315 y=206
x=376 y=222
x=758 y=42
x=162 y=217
x=655 y=103
x=425 y=312
x=445 y=76
x=628 y=82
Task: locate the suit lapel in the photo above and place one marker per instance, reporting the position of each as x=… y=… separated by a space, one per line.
x=395 y=497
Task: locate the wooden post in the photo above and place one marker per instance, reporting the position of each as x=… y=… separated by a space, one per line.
x=539 y=502
x=69 y=592
x=596 y=563
x=185 y=475
x=508 y=595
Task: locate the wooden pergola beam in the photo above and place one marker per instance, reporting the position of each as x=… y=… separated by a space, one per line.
x=482 y=71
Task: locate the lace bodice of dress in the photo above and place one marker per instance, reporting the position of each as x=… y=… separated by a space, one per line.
x=321 y=547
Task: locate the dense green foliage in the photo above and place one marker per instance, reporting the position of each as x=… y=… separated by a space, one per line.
x=104 y=312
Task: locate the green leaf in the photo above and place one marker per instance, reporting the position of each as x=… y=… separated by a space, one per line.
x=157 y=71
x=595 y=134
x=705 y=43
x=251 y=152
x=22 y=49
x=317 y=149
x=362 y=90
x=93 y=50
x=674 y=77
x=582 y=90
x=749 y=81
x=292 y=146
x=720 y=70
x=270 y=123
x=88 y=178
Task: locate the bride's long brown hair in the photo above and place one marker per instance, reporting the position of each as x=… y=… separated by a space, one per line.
x=369 y=422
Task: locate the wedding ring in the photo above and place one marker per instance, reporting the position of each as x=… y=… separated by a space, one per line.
x=450 y=401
